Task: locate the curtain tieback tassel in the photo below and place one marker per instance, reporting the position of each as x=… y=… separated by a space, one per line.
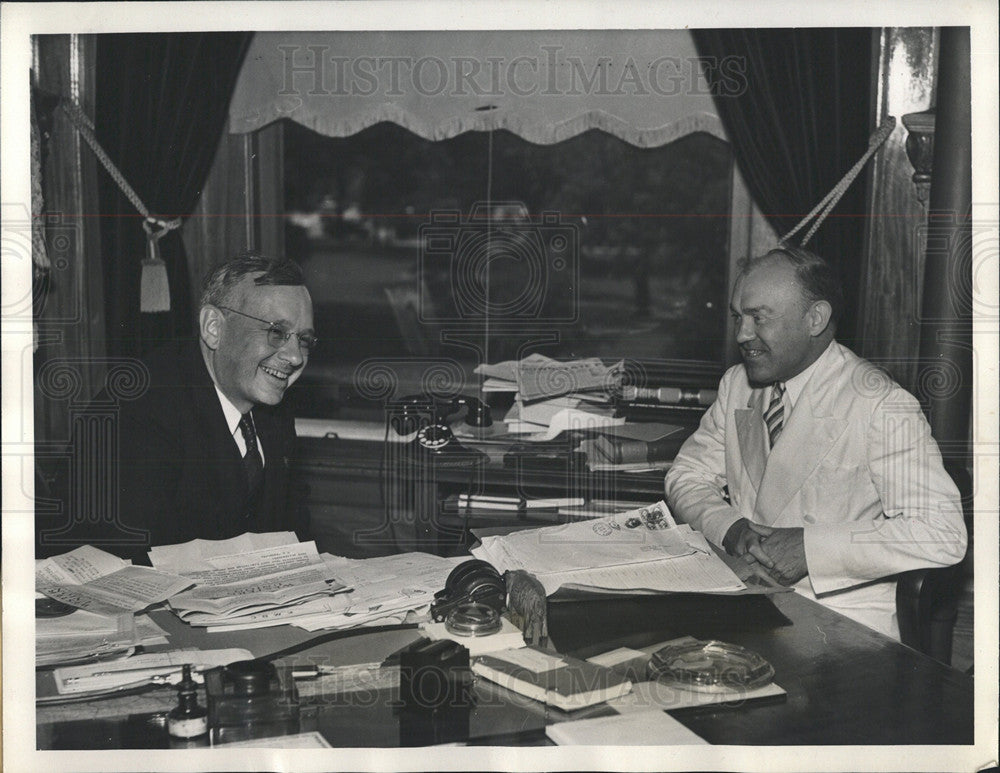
x=154 y=288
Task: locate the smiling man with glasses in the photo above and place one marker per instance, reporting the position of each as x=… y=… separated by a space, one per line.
x=204 y=452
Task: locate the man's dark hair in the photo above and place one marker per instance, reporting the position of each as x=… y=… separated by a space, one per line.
x=817 y=278
x=273 y=271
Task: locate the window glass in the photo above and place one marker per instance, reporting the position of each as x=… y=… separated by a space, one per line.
x=589 y=247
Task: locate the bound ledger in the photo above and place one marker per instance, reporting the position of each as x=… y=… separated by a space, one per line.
x=558 y=680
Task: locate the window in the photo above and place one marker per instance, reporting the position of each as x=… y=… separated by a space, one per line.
x=590 y=247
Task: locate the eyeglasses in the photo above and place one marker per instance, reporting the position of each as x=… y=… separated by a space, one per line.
x=277 y=336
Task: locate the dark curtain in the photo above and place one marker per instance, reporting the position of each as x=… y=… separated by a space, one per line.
x=796 y=105
x=162 y=103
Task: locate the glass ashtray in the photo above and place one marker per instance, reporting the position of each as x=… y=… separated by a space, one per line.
x=709 y=666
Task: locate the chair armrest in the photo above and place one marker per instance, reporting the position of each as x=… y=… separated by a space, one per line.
x=926 y=608
x=908 y=588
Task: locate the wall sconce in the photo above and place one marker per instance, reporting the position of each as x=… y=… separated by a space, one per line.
x=920 y=149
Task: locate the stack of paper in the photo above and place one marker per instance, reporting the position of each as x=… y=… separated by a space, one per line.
x=552 y=396
x=386 y=589
x=537 y=376
x=268 y=585
x=107 y=591
x=260 y=580
x=638 y=550
x=83 y=635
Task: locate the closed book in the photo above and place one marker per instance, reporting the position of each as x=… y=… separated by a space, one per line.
x=557 y=680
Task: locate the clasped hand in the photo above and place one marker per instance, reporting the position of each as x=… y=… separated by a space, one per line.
x=777 y=553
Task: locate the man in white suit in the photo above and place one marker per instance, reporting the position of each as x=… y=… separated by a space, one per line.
x=812 y=464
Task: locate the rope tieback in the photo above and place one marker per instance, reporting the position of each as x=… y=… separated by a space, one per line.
x=821 y=210
x=154 y=294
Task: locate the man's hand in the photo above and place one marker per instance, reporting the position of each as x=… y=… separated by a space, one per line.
x=738 y=539
x=781 y=551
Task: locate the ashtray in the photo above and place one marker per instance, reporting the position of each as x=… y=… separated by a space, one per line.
x=709 y=666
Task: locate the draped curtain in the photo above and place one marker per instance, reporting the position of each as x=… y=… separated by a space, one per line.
x=797 y=125
x=162 y=102
x=643 y=86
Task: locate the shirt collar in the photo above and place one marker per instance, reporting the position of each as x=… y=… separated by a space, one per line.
x=231 y=412
x=795 y=385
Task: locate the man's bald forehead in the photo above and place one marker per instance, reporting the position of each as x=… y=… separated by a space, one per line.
x=784 y=269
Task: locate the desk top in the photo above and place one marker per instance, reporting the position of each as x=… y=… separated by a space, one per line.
x=845 y=683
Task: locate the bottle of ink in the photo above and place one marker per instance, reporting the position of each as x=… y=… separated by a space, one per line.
x=187 y=719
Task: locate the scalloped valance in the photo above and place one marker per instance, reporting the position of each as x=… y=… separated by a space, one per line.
x=645 y=87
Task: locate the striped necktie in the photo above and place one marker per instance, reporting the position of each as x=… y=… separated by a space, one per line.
x=775 y=416
x=251 y=461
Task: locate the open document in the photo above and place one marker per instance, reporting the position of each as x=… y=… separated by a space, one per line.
x=646 y=534
x=98 y=582
x=641 y=550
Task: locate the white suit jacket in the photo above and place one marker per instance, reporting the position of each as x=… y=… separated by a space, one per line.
x=855 y=466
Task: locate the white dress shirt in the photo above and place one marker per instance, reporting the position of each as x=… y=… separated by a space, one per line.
x=233 y=417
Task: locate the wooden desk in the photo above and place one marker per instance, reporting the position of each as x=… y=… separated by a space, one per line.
x=845 y=683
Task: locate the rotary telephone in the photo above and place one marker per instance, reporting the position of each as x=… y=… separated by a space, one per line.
x=423 y=422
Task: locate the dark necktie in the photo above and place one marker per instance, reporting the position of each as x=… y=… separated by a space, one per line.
x=775 y=416
x=251 y=461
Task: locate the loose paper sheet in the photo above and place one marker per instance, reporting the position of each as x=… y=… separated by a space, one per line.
x=240 y=567
x=660 y=695
x=644 y=728
x=91 y=579
x=108 y=675
x=169 y=557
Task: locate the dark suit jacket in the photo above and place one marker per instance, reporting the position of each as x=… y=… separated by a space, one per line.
x=181 y=475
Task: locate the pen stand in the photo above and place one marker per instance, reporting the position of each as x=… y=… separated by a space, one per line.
x=251 y=699
x=435 y=693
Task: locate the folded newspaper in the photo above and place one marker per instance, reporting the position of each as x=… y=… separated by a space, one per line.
x=641 y=550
